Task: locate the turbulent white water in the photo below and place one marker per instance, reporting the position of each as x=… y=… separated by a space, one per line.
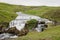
x=6 y=36
x=22 y=18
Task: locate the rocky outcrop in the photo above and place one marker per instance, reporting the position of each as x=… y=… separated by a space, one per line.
x=3 y=27
x=15 y=31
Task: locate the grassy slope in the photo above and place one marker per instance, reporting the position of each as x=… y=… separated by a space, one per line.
x=53 y=14
x=46 y=12
x=7 y=13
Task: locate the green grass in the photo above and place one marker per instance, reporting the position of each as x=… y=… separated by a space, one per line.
x=52 y=13
x=8 y=13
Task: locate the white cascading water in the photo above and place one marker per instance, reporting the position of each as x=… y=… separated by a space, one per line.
x=22 y=18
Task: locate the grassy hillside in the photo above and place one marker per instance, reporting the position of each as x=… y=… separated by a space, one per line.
x=52 y=13
x=7 y=13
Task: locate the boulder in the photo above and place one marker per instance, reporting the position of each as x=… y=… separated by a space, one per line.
x=15 y=31
x=23 y=32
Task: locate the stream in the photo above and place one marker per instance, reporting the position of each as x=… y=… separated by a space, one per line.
x=19 y=22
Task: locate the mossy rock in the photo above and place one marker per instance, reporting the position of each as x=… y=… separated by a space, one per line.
x=31 y=24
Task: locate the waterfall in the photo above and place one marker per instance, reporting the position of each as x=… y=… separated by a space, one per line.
x=22 y=18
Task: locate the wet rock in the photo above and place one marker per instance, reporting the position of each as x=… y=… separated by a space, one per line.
x=15 y=31
x=41 y=26
x=12 y=30
x=23 y=32
x=3 y=27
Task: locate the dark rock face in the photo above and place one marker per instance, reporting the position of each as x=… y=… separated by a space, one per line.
x=15 y=31
x=12 y=30
x=3 y=26
x=44 y=26
x=23 y=32
x=42 y=22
